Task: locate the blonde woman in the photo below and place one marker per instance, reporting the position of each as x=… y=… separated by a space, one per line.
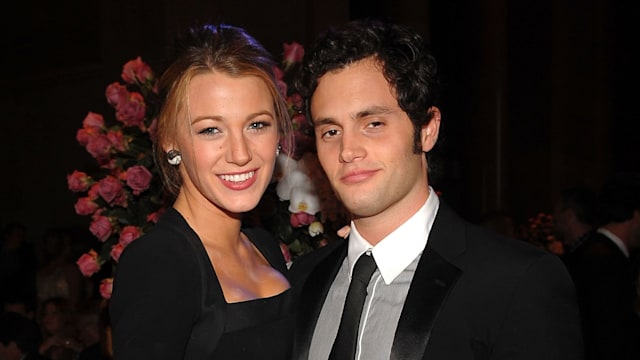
x=199 y=285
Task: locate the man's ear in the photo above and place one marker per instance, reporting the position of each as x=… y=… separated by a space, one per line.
x=429 y=132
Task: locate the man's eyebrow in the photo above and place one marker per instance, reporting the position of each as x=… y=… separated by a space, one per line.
x=373 y=110
x=323 y=121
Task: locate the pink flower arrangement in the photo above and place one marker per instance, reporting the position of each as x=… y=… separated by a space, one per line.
x=123 y=197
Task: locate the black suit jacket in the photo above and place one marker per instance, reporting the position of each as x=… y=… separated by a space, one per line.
x=475 y=295
x=167 y=302
x=605 y=284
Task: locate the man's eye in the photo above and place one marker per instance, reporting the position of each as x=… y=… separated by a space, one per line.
x=330 y=133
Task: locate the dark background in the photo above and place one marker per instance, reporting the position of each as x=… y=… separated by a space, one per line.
x=539 y=95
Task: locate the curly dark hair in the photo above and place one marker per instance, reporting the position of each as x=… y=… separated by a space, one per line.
x=406 y=59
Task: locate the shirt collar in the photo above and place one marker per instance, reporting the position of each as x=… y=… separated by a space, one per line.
x=616 y=240
x=398 y=250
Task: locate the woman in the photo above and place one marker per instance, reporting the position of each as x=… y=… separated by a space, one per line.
x=198 y=286
x=56 y=319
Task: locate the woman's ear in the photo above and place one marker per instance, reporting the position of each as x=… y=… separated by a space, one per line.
x=430 y=130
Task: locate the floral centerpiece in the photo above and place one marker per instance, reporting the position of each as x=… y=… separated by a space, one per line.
x=124 y=197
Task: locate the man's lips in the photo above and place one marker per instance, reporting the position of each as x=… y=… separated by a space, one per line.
x=356 y=176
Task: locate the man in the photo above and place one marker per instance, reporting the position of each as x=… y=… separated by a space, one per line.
x=444 y=289
x=605 y=274
x=574 y=215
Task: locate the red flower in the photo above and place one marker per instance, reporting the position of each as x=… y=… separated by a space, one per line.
x=116 y=93
x=138 y=178
x=116 y=251
x=136 y=70
x=93 y=120
x=85 y=206
x=301 y=219
x=128 y=234
x=78 y=181
x=88 y=263
x=131 y=111
x=106 y=288
x=109 y=188
x=101 y=227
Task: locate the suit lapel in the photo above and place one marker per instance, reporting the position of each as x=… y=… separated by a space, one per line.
x=432 y=282
x=312 y=297
x=430 y=286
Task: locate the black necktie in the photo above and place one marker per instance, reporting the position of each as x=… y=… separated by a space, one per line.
x=344 y=347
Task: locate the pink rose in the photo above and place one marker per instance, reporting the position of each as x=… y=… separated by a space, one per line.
x=154 y=216
x=293 y=53
x=88 y=263
x=117 y=139
x=99 y=147
x=300 y=219
x=106 y=288
x=101 y=227
x=84 y=135
x=78 y=181
x=132 y=111
x=93 y=120
x=138 y=178
x=110 y=188
x=121 y=199
x=93 y=192
x=85 y=206
x=128 y=234
x=116 y=94
x=116 y=251
x=136 y=71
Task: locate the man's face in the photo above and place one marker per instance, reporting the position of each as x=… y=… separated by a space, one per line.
x=365 y=144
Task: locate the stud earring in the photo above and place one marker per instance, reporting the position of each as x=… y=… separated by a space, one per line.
x=174 y=157
x=278 y=150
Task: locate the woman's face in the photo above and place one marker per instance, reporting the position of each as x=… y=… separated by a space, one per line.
x=228 y=137
x=51 y=318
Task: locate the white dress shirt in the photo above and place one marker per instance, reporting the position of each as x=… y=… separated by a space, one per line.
x=397 y=256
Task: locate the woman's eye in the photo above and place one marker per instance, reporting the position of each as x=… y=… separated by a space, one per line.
x=259 y=125
x=209 y=131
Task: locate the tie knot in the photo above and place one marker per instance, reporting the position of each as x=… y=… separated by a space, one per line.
x=364 y=268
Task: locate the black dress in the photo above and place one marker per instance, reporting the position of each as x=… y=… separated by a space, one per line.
x=256 y=328
x=167 y=302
